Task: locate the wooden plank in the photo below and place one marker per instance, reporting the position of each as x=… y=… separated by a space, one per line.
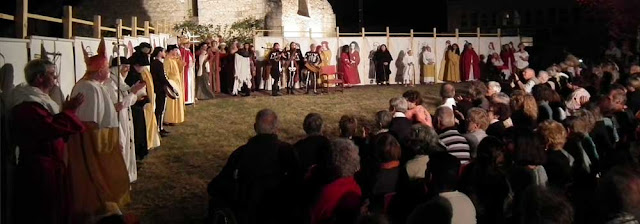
x=45 y=18
x=97 y=24
x=67 y=22
x=85 y=22
x=6 y=16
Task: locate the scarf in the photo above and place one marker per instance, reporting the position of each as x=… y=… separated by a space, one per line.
x=26 y=93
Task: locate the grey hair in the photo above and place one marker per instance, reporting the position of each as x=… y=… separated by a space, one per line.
x=383 y=118
x=445 y=117
x=36 y=68
x=344 y=157
x=501 y=98
x=399 y=104
x=495 y=86
x=266 y=122
x=422 y=135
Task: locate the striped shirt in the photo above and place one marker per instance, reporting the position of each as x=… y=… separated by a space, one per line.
x=456 y=145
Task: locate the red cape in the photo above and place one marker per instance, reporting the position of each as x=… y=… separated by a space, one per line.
x=468 y=59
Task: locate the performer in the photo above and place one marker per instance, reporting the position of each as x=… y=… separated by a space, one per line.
x=242 y=72
x=39 y=128
x=470 y=64
x=351 y=75
x=492 y=49
x=313 y=58
x=428 y=65
x=522 y=58
x=453 y=64
x=325 y=54
x=173 y=66
x=214 y=64
x=255 y=81
x=275 y=67
x=138 y=63
x=160 y=82
x=293 y=57
x=409 y=69
x=189 y=75
x=126 y=97
x=99 y=178
x=204 y=90
x=443 y=63
x=383 y=58
x=372 y=63
x=497 y=62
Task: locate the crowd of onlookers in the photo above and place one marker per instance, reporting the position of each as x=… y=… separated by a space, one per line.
x=559 y=146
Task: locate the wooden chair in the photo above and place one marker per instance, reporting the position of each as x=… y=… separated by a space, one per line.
x=326 y=72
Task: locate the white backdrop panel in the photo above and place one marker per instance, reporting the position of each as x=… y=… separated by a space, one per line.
x=398 y=47
x=515 y=40
x=155 y=40
x=484 y=45
x=64 y=62
x=14 y=57
x=371 y=45
x=363 y=56
x=145 y=39
x=91 y=46
x=131 y=42
x=472 y=40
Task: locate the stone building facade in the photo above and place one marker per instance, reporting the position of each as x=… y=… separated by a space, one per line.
x=289 y=15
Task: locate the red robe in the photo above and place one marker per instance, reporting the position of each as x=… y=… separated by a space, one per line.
x=468 y=60
x=349 y=67
x=42 y=186
x=187 y=57
x=509 y=59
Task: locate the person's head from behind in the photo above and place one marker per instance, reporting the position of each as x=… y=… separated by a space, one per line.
x=312 y=124
x=345 y=160
x=386 y=148
x=528 y=73
x=499 y=111
x=491 y=152
x=344 y=49
x=423 y=140
x=501 y=98
x=582 y=122
x=348 y=125
x=445 y=117
x=542 y=93
x=266 y=122
x=398 y=105
x=619 y=191
x=447 y=91
x=543 y=76
x=383 y=119
x=553 y=134
x=413 y=97
x=525 y=106
x=544 y=205
x=477 y=119
x=158 y=52
x=529 y=151
x=442 y=172
x=633 y=83
x=478 y=90
x=41 y=73
x=615 y=102
x=493 y=87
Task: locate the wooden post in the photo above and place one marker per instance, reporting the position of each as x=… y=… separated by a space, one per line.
x=363 y=35
x=478 y=31
x=500 y=37
x=146 y=29
x=457 y=35
x=388 y=36
x=118 y=28
x=21 y=18
x=434 y=49
x=67 y=22
x=97 y=23
x=134 y=26
x=411 y=36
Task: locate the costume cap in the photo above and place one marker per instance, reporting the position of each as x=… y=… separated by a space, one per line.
x=96 y=62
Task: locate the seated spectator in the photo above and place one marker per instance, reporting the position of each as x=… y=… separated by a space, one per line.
x=422 y=141
x=524 y=110
x=400 y=125
x=581 y=146
x=448 y=205
x=500 y=98
x=543 y=94
x=380 y=175
x=255 y=181
x=349 y=130
x=529 y=158
x=383 y=119
x=456 y=144
x=529 y=80
x=477 y=123
x=559 y=161
x=311 y=151
x=633 y=93
x=543 y=77
x=478 y=92
x=339 y=201
x=417 y=113
x=493 y=87
x=500 y=118
x=484 y=180
x=540 y=205
x=447 y=93
x=619 y=195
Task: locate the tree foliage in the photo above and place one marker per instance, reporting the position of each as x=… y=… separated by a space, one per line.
x=241 y=31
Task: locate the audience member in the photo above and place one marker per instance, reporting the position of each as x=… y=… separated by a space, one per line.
x=416 y=112
x=456 y=144
x=559 y=161
x=400 y=125
x=383 y=119
x=477 y=124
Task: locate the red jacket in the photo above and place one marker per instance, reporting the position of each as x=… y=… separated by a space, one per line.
x=341 y=195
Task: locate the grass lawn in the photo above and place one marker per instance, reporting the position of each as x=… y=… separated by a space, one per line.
x=172 y=181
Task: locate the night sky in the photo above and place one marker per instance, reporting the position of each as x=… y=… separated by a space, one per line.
x=399 y=15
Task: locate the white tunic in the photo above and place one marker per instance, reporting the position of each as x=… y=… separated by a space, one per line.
x=243 y=73
x=521 y=64
x=97 y=106
x=409 y=68
x=126 y=123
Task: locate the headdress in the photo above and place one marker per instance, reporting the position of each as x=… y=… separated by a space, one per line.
x=98 y=61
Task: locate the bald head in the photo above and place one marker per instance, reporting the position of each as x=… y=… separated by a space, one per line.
x=266 y=122
x=528 y=73
x=447 y=91
x=445 y=117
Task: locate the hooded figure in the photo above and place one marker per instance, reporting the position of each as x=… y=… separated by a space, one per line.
x=470 y=64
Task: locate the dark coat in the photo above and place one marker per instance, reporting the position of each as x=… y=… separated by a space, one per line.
x=400 y=128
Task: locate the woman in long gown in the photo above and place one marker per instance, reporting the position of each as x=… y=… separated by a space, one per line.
x=173 y=67
x=203 y=84
x=352 y=76
x=470 y=64
x=325 y=55
x=443 y=62
x=344 y=65
x=429 y=65
x=453 y=64
x=372 y=63
x=383 y=59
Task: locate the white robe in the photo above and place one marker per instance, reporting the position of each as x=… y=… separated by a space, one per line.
x=97 y=106
x=409 y=72
x=429 y=58
x=191 y=84
x=242 y=73
x=126 y=123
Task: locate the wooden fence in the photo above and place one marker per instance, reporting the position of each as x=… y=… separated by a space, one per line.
x=22 y=16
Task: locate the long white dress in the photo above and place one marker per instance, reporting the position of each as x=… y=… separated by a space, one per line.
x=408 y=75
x=126 y=123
